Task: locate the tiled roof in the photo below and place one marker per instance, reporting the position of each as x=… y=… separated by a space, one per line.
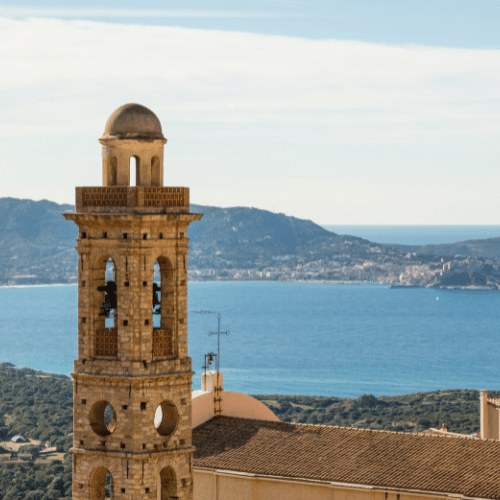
x=467 y=467
x=494 y=401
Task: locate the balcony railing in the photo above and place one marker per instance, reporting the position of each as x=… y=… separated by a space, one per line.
x=163 y=345
x=106 y=342
x=124 y=199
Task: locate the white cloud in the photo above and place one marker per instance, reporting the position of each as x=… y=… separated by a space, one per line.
x=253 y=109
x=79 y=13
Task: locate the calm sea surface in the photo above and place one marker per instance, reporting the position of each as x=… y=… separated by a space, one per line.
x=296 y=338
x=418 y=235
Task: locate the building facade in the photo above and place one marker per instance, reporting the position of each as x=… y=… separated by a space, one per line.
x=244 y=452
x=249 y=459
x=132 y=378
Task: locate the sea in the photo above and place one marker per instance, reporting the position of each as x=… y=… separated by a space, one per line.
x=295 y=338
x=418 y=235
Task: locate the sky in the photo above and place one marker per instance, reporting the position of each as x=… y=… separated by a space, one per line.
x=342 y=112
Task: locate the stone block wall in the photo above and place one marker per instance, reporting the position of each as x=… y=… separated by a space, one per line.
x=147 y=456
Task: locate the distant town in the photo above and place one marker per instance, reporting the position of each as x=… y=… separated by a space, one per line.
x=240 y=243
x=459 y=272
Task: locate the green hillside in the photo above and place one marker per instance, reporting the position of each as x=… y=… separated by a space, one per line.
x=458 y=409
x=241 y=237
x=37 y=406
x=40 y=406
x=487 y=248
x=35 y=240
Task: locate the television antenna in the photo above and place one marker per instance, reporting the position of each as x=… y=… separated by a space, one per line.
x=218 y=333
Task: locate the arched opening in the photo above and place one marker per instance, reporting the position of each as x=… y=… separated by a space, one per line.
x=106 y=333
x=168 y=484
x=156 y=296
x=101 y=484
x=166 y=418
x=102 y=418
x=112 y=171
x=163 y=309
x=108 y=308
x=155 y=171
x=135 y=170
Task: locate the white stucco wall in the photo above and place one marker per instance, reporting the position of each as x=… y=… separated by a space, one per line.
x=234 y=404
x=202 y=408
x=221 y=485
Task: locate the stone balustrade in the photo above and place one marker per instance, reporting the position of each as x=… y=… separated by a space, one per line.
x=162 y=343
x=138 y=199
x=106 y=342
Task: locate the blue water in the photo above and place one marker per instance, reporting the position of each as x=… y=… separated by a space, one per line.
x=296 y=338
x=417 y=235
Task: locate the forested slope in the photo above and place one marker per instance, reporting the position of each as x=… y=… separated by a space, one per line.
x=39 y=406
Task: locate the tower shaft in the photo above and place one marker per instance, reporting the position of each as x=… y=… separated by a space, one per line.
x=132 y=377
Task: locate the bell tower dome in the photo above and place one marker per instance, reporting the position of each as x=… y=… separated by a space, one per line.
x=132 y=377
x=132 y=131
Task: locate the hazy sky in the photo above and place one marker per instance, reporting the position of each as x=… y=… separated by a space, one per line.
x=343 y=112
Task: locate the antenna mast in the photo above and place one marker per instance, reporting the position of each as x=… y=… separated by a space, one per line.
x=218 y=333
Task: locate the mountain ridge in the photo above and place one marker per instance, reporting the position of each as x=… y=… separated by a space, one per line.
x=37 y=247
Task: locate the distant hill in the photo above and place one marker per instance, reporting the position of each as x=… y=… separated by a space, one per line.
x=36 y=240
x=37 y=247
x=241 y=237
x=237 y=226
x=37 y=243
x=487 y=248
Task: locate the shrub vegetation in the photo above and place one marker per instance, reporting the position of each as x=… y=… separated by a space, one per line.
x=458 y=409
x=39 y=406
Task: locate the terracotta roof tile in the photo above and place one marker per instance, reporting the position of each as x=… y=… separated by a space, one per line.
x=468 y=467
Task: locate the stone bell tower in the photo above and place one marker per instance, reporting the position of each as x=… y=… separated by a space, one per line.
x=132 y=378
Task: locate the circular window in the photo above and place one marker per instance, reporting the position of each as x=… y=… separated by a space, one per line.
x=166 y=418
x=102 y=418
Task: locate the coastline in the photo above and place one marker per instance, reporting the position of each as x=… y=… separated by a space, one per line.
x=434 y=286
x=39 y=285
x=327 y=282
x=493 y=288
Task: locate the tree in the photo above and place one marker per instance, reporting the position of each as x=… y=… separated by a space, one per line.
x=4 y=432
x=424 y=422
x=30 y=448
x=368 y=401
x=57 y=484
x=34 y=495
